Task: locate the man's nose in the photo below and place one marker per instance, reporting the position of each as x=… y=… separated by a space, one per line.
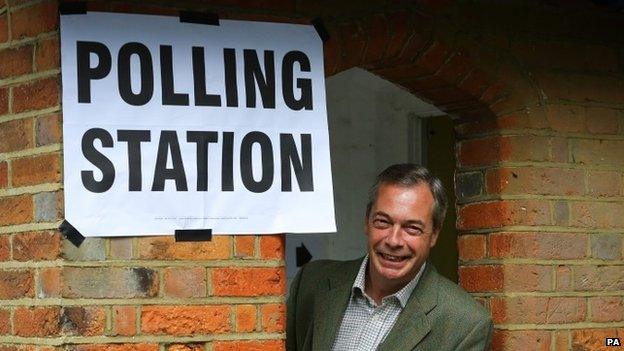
x=395 y=237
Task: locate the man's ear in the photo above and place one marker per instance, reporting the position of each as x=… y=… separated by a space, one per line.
x=434 y=238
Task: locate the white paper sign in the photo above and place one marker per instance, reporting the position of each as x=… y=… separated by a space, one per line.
x=171 y=125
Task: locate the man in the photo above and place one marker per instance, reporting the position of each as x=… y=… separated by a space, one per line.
x=392 y=299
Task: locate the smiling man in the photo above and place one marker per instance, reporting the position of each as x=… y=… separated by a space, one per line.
x=393 y=298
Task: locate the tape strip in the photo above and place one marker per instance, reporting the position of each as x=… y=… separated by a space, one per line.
x=321 y=29
x=72 y=234
x=73 y=8
x=193 y=235
x=211 y=19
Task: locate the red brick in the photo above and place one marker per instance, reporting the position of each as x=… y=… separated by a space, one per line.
x=33 y=20
x=265 y=345
x=36 y=246
x=566 y=118
x=598 y=152
x=48 y=130
x=4 y=175
x=4 y=28
x=16 y=61
x=5 y=321
x=538 y=310
x=16 y=135
x=109 y=282
x=601 y=120
x=475 y=83
x=185 y=282
x=594 y=339
x=411 y=76
x=562 y=340
x=400 y=30
x=606 y=309
x=124 y=320
x=121 y=248
x=353 y=43
x=47 y=54
x=494 y=93
x=36 y=95
x=538 y=245
x=580 y=87
x=273 y=318
x=248 y=281
x=564 y=278
x=456 y=69
x=165 y=248
x=246 y=318
x=377 y=37
x=84 y=321
x=15 y=284
x=116 y=347
x=36 y=170
x=245 y=245
x=536 y=340
x=434 y=57
x=535 y=181
x=597 y=214
x=4 y=101
x=604 y=183
x=598 y=278
x=185 y=347
x=471 y=247
x=16 y=209
x=529 y=277
x=272 y=246
x=486 y=151
x=503 y=213
x=36 y=321
x=481 y=278
x=15 y=347
x=185 y=320
x=565 y=55
x=50 y=282
x=5 y=248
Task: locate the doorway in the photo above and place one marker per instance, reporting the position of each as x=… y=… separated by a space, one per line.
x=373 y=124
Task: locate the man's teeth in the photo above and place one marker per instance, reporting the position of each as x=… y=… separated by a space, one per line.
x=392 y=258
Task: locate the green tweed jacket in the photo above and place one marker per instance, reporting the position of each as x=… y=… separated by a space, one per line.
x=439 y=315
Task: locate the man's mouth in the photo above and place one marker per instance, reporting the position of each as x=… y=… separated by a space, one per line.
x=392 y=258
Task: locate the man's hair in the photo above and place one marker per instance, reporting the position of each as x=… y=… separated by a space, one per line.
x=409 y=175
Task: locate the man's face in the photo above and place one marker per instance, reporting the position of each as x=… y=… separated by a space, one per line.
x=400 y=233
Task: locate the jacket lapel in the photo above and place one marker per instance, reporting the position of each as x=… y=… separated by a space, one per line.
x=412 y=324
x=331 y=304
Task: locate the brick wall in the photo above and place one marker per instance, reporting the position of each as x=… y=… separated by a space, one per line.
x=541 y=211
x=140 y=294
x=539 y=109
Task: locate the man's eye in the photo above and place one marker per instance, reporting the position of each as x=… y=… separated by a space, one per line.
x=414 y=230
x=381 y=223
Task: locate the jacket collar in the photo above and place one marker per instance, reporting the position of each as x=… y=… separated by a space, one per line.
x=332 y=302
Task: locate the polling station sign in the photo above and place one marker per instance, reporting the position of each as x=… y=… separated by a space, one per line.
x=172 y=125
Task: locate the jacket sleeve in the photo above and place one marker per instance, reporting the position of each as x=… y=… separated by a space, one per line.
x=291 y=313
x=479 y=338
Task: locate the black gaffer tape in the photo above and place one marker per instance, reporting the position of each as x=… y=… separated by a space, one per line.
x=73 y=8
x=211 y=19
x=321 y=29
x=193 y=235
x=72 y=234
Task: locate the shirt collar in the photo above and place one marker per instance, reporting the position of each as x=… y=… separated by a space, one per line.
x=402 y=295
